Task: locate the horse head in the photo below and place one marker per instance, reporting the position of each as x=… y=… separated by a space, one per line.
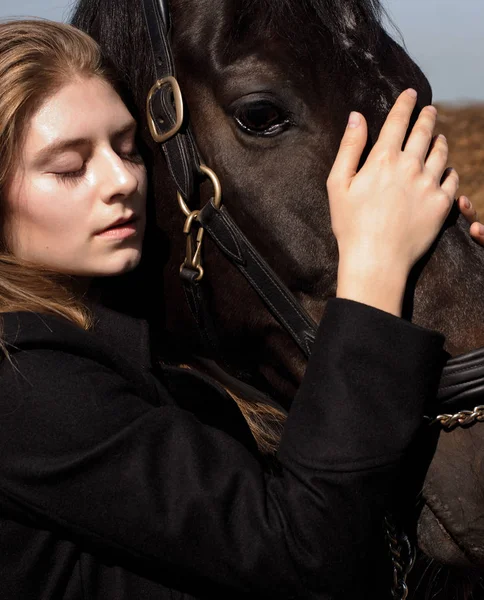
x=269 y=85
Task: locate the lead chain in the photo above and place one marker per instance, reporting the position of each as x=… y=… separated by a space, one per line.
x=402 y=555
x=464 y=418
x=401 y=551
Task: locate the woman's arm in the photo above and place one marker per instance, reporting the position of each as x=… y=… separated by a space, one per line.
x=84 y=456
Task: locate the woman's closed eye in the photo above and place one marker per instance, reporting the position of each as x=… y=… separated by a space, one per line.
x=133 y=157
x=71 y=176
x=130 y=153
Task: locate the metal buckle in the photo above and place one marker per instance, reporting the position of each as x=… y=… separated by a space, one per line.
x=156 y=134
x=193 y=258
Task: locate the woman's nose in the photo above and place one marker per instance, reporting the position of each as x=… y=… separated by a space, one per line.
x=119 y=179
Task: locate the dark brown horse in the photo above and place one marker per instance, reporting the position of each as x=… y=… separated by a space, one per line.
x=269 y=85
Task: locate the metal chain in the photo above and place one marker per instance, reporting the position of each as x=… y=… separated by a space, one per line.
x=464 y=418
x=401 y=550
x=402 y=554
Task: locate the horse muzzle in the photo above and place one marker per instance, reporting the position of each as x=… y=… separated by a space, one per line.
x=451 y=524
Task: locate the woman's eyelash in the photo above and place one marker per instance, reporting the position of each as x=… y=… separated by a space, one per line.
x=133 y=156
x=72 y=176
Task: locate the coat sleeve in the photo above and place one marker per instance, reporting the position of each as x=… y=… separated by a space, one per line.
x=82 y=455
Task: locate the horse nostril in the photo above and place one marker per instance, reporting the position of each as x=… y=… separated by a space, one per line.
x=437 y=543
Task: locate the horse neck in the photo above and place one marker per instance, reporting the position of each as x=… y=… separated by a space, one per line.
x=449 y=293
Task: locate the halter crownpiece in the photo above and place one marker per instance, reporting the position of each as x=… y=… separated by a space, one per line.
x=165 y=13
x=166 y=119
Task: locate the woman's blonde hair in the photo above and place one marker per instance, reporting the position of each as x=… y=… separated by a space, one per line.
x=37 y=58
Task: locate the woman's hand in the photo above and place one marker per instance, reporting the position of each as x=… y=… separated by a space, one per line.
x=386 y=215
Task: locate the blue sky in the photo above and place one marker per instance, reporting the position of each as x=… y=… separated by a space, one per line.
x=445 y=37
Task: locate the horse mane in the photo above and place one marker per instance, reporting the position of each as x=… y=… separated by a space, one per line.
x=291 y=17
x=119 y=26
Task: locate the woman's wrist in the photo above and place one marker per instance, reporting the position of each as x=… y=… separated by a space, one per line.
x=372 y=282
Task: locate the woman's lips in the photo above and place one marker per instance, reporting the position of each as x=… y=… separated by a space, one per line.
x=123 y=230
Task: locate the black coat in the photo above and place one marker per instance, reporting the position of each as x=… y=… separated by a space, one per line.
x=116 y=485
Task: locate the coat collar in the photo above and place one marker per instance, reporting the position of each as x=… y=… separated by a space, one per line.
x=124 y=335
x=122 y=343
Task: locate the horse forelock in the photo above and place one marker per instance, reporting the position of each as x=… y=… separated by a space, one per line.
x=119 y=26
x=349 y=23
x=348 y=32
x=348 y=35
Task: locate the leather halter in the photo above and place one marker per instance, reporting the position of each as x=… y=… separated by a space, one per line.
x=462 y=383
x=177 y=142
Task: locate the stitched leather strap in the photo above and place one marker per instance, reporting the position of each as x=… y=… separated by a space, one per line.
x=180 y=151
x=278 y=299
x=462 y=383
x=198 y=304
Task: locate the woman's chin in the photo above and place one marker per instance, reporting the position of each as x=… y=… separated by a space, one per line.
x=123 y=262
x=128 y=264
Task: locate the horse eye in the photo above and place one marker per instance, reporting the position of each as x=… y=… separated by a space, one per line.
x=261 y=118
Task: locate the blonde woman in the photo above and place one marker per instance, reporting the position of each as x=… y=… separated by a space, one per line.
x=118 y=485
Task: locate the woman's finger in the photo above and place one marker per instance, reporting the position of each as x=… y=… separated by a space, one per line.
x=467 y=210
x=450 y=182
x=438 y=156
x=477 y=232
x=349 y=154
x=395 y=128
x=418 y=143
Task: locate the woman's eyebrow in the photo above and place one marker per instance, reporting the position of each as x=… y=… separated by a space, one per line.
x=58 y=147
x=65 y=145
x=128 y=128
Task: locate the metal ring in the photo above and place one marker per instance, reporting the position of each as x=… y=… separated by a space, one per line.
x=217 y=191
x=217 y=188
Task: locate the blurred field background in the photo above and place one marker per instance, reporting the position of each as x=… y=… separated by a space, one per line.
x=464 y=128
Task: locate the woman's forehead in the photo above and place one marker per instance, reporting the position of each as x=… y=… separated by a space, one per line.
x=86 y=108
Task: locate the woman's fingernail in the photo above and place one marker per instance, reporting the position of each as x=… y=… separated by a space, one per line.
x=354 y=120
x=467 y=203
x=481 y=229
x=412 y=93
x=432 y=109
